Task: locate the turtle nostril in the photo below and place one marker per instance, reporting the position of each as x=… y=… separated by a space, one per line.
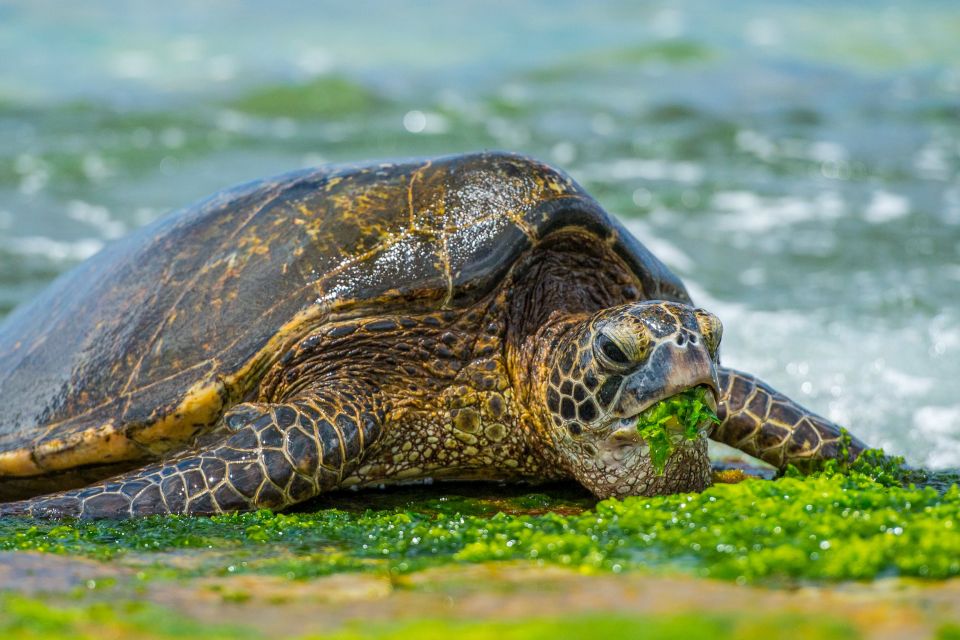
x=681 y=339
x=693 y=339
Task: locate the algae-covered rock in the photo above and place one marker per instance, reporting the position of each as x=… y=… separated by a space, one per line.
x=838 y=524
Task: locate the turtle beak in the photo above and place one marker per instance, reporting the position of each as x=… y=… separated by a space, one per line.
x=671 y=369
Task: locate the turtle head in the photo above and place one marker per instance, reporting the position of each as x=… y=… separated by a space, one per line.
x=608 y=368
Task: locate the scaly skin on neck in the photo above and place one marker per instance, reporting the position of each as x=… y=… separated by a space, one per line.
x=451 y=410
x=529 y=366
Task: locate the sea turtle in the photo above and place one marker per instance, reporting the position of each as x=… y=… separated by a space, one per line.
x=467 y=317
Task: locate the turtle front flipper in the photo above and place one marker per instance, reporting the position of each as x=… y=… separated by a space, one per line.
x=274 y=455
x=766 y=424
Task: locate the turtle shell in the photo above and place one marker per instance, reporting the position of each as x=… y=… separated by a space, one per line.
x=134 y=351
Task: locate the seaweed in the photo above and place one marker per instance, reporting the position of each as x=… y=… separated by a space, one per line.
x=26 y=618
x=835 y=524
x=683 y=415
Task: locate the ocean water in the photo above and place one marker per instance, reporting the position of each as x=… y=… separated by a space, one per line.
x=798 y=164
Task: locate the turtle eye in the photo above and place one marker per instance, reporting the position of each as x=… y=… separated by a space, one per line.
x=609 y=351
x=710 y=329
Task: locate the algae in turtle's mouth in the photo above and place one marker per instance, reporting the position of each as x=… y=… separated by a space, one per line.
x=685 y=415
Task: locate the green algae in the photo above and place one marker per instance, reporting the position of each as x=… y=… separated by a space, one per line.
x=114 y=143
x=949 y=632
x=322 y=97
x=615 y=627
x=683 y=414
x=837 y=524
x=669 y=52
x=23 y=618
x=87 y=143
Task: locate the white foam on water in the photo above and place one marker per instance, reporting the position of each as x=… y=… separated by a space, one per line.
x=96 y=216
x=886 y=206
x=905 y=384
x=56 y=250
x=315 y=61
x=222 y=68
x=755 y=143
x=941 y=426
x=668 y=23
x=643 y=169
x=670 y=254
x=931 y=162
x=34 y=173
x=428 y=122
x=827 y=151
x=134 y=65
x=885 y=381
x=95 y=167
x=749 y=212
x=762 y=32
x=951 y=206
x=232 y=121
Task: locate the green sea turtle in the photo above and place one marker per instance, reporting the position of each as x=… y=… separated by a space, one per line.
x=466 y=317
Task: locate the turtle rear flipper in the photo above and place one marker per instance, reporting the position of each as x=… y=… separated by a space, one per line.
x=275 y=455
x=766 y=424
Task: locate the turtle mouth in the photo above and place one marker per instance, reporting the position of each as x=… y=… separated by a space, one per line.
x=626 y=434
x=709 y=397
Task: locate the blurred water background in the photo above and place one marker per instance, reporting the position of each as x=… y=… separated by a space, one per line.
x=796 y=163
